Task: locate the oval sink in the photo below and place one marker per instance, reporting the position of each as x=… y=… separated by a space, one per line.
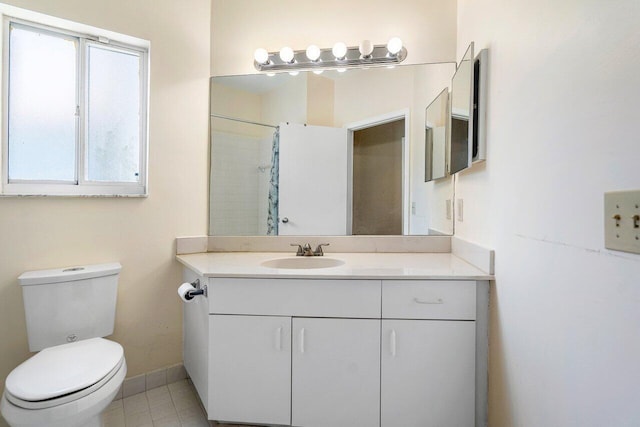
x=302 y=262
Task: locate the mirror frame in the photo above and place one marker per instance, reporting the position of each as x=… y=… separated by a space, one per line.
x=428 y=154
x=470 y=122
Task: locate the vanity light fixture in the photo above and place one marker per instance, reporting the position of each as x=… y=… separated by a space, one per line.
x=339 y=51
x=261 y=56
x=287 y=55
x=366 y=49
x=340 y=56
x=313 y=53
x=394 y=46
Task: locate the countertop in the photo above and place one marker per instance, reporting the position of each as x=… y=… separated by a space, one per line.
x=441 y=266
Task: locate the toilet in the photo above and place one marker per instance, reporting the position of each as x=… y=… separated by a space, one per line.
x=77 y=372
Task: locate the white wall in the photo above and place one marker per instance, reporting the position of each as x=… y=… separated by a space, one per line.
x=562 y=129
x=287 y=102
x=38 y=233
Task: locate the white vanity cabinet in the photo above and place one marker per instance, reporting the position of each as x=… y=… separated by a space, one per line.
x=334 y=352
x=336 y=372
x=429 y=353
x=250 y=368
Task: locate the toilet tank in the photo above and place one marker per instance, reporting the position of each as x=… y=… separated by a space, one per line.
x=69 y=304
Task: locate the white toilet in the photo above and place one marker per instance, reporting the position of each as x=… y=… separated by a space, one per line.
x=77 y=373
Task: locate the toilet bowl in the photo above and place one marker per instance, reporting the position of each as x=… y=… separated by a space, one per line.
x=64 y=386
x=77 y=372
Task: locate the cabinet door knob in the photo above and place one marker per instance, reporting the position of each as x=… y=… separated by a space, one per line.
x=279 y=339
x=392 y=343
x=432 y=301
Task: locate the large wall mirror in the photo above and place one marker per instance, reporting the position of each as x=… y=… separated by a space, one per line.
x=337 y=153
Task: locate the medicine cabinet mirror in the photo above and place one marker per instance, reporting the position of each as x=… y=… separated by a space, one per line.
x=436 y=135
x=461 y=124
x=468 y=111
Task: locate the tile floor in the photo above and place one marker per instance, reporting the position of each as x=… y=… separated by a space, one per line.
x=173 y=405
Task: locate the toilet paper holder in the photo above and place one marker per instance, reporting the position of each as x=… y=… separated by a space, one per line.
x=197 y=290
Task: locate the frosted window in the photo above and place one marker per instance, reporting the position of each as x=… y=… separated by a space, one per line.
x=76 y=116
x=42 y=106
x=113 y=146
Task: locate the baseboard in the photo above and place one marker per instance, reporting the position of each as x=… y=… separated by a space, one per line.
x=143 y=382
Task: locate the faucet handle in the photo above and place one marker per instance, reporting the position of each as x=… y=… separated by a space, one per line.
x=299 y=252
x=318 y=251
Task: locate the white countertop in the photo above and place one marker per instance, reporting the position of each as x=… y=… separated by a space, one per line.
x=357 y=265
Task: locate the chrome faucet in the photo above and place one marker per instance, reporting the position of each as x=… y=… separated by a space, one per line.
x=318 y=251
x=307 y=251
x=300 y=251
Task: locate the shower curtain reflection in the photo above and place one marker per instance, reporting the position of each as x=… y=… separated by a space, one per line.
x=272 y=218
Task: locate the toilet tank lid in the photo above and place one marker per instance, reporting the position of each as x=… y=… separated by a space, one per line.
x=69 y=274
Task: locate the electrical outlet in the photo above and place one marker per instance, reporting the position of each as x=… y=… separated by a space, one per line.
x=622 y=221
x=460 y=209
x=448 y=208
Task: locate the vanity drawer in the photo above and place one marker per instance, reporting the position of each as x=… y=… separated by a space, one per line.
x=429 y=299
x=295 y=297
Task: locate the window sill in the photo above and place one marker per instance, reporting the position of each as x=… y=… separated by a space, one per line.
x=99 y=196
x=62 y=190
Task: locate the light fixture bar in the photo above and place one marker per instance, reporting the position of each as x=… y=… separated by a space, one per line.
x=353 y=59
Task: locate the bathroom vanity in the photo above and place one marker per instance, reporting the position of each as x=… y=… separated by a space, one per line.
x=384 y=339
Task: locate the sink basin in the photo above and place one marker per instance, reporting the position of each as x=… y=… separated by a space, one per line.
x=302 y=262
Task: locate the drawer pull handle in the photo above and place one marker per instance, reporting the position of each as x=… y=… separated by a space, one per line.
x=302 y=340
x=279 y=339
x=392 y=343
x=433 y=301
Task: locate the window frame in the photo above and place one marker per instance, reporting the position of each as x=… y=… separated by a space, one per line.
x=81 y=186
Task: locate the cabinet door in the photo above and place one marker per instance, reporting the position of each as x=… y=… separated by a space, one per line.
x=336 y=372
x=250 y=369
x=428 y=373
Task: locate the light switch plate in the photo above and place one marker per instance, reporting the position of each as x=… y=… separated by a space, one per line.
x=622 y=221
x=448 y=208
x=460 y=209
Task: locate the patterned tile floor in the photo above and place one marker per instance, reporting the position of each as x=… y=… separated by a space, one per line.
x=173 y=405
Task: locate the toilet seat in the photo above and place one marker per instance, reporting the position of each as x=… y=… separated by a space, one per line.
x=64 y=373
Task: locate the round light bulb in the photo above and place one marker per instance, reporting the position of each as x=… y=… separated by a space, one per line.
x=394 y=45
x=366 y=48
x=339 y=50
x=286 y=54
x=313 y=52
x=318 y=71
x=341 y=70
x=271 y=74
x=261 y=56
x=294 y=73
